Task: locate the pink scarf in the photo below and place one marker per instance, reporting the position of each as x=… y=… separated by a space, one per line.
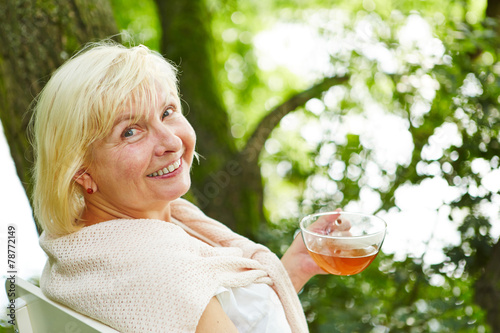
x=152 y=276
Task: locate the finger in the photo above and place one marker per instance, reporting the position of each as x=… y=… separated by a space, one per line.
x=342 y=224
x=324 y=224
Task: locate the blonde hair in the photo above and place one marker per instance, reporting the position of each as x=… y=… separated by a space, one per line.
x=79 y=106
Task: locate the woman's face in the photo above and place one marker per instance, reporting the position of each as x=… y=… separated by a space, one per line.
x=139 y=168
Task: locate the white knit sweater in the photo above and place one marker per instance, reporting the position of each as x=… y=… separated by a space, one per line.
x=152 y=276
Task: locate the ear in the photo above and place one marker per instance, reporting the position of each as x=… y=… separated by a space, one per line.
x=84 y=178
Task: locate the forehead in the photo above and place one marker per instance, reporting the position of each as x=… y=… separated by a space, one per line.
x=143 y=104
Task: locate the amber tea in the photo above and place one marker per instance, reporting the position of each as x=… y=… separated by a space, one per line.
x=343 y=243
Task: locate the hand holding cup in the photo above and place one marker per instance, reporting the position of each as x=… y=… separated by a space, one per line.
x=343 y=243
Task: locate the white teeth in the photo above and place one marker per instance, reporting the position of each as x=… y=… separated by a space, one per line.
x=166 y=169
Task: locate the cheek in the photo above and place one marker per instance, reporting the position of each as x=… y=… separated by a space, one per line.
x=132 y=162
x=189 y=137
x=126 y=164
x=131 y=167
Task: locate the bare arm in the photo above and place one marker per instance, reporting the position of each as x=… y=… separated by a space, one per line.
x=215 y=320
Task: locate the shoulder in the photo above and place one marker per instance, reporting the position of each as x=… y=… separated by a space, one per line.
x=122 y=247
x=121 y=232
x=142 y=269
x=214 y=319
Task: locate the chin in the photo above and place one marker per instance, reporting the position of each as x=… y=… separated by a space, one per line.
x=180 y=191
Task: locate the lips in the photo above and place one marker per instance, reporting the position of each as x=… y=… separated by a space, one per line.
x=168 y=169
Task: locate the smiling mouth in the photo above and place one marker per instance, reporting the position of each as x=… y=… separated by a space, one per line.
x=168 y=169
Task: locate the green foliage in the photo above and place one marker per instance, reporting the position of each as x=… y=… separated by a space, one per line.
x=138 y=19
x=474 y=249
x=457 y=88
x=5 y=328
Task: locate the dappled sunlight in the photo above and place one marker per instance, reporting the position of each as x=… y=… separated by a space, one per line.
x=290 y=45
x=422 y=226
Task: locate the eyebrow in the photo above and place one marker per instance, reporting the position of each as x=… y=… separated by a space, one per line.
x=122 y=118
x=170 y=98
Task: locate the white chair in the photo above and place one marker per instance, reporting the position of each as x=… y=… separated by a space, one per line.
x=35 y=313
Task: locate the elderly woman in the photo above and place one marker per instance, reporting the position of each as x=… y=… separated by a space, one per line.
x=113 y=157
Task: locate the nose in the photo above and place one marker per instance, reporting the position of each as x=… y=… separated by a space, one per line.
x=166 y=140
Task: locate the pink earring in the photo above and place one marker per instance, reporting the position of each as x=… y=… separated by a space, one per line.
x=90 y=190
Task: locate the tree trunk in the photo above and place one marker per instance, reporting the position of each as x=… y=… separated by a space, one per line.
x=487 y=287
x=36 y=38
x=493 y=11
x=487 y=290
x=225 y=187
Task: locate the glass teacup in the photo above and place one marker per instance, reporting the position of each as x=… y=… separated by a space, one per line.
x=343 y=243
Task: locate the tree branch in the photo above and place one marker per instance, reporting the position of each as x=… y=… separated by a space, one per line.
x=268 y=123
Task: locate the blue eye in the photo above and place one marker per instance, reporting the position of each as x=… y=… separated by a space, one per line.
x=129 y=132
x=167 y=112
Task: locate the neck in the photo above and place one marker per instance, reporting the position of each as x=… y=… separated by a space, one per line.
x=94 y=213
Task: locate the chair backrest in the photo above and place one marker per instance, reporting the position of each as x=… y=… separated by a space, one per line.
x=35 y=313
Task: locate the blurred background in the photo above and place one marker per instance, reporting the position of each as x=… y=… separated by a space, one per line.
x=377 y=106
